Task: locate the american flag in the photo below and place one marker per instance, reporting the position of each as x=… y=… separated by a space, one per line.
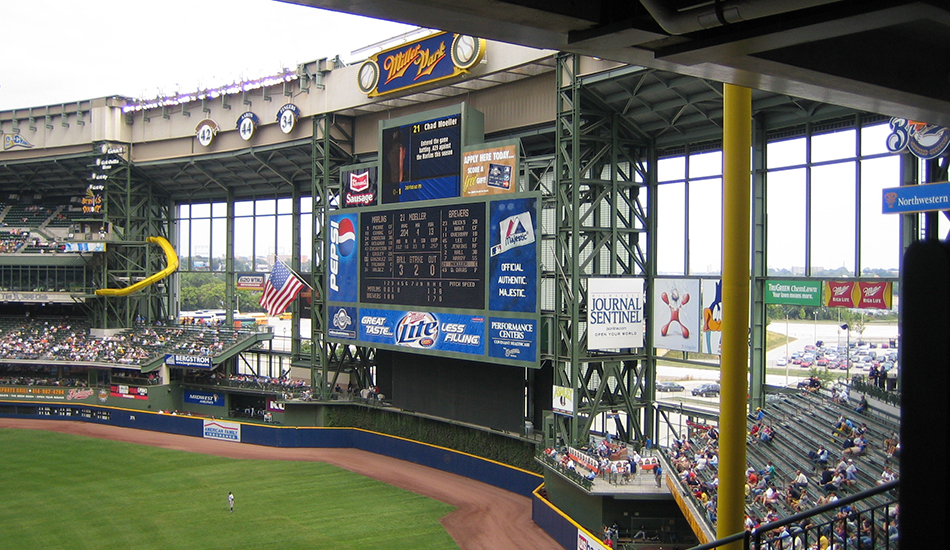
x=280 y=289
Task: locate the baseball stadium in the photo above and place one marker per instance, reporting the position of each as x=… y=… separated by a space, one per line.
x=644 y=276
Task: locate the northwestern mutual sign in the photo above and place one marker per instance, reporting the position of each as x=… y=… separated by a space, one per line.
x=917 y=198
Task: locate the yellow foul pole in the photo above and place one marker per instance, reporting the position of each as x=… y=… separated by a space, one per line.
x=736 y=199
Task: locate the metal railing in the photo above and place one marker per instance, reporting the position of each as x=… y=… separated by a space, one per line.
x=873 y=528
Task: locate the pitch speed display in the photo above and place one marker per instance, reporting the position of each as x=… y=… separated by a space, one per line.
x=424 y=256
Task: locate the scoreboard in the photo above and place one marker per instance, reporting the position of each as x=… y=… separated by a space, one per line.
x=429 y=256
x=423 y=260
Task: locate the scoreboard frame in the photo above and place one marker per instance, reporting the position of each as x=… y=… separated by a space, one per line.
x=505 y=330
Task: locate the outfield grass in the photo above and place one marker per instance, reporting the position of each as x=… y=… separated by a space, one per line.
x=73 y=492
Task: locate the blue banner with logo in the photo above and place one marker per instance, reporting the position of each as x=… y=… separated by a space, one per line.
x=423 y=330
x=342 y=322
x=343 y=258
x=188 y=361
x=195 y=397
x=513 y=268
x=513 y=339
x=917 y=198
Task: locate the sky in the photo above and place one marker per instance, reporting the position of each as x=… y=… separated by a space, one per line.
x=61 y=51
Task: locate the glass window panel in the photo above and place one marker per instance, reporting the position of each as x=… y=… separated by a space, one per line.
x=285 y=206
x=201 y=244
x=671 y=237
x=219 y=209
x=306 y=241
x=264 y=239
x=705 y=226
x=789 y=152
x=880 y=233
x=244 y=208
x=670 y=169
x=184 y=211
x=833 y=220
x=705 y=164
x=785 y=210
x=184 y=242
x=200 y=210
x=874 y=139
x=219 y=239
x=265 y=207
x=243 y=247
x=285 y=238
x=833 y=146
x=306 y=204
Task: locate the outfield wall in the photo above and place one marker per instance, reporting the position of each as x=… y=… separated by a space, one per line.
x=487 y=471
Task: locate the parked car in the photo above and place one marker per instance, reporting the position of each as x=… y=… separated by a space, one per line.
x=668 y=386
x=781 y=362
x=706 y=390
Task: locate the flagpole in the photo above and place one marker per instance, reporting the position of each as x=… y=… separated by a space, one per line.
x=290 y=269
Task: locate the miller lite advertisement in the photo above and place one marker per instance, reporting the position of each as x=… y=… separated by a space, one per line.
x=343 y=258
x=358 y=185
x=423 y=330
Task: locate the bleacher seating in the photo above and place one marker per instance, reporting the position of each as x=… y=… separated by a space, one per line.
x=801 y=422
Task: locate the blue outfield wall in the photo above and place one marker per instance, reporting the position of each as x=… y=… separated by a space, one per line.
x=480 y=469
x=553 y=522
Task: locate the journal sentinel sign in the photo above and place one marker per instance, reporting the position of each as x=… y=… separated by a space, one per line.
x=917 y=198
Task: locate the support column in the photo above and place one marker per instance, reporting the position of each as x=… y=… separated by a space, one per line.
x=737 y=144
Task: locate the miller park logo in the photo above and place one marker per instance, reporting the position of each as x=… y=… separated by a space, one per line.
x=430 y=59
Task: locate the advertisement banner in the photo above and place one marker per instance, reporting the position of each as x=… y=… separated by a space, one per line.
x=188 y=361
x=274 y=406
x=798 y=293
x=875 y=295
x=676 y=314
x=513 y=267
x=250 y=281
x=563 y=401
x=342 y=322
x=711 y=341
x=513 y=339
x=430 y=59
x=196 y=397
x=39 y=297
x=587 y=542
x=423 y=330
x=344 y=258
x=221 y=429
x=614 y=313
x=490 y=170
x=84 y=247
x=858 y=294
x=33 y=393
x=128 y=392
x=358 y=185
x=909 y=199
